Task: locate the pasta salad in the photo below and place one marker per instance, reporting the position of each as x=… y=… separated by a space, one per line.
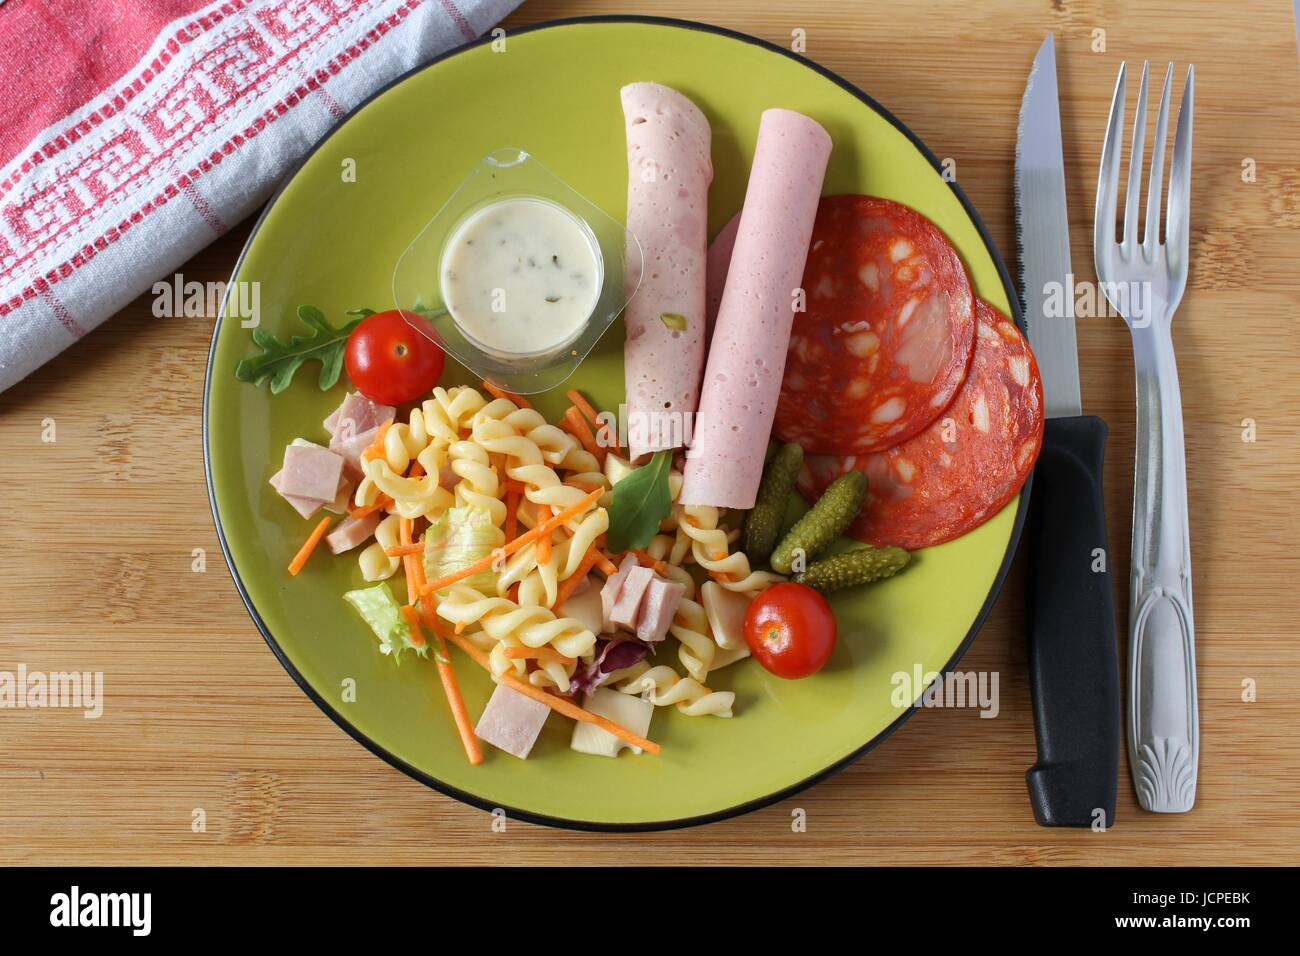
x=496 y=523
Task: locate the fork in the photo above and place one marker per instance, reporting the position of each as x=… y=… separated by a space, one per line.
x=1144 y=281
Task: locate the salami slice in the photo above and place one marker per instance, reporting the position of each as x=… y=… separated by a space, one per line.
x=965 y=466
x=887 y=335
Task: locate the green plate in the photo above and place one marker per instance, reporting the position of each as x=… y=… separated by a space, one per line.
x=332 y=243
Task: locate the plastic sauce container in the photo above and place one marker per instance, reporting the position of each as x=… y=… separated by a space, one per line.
x=518 y=275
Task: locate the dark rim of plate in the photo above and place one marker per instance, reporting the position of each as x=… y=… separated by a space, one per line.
x=514 y=812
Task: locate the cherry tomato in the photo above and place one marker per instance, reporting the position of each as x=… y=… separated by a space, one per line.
x=790 y=630
x=391 y=362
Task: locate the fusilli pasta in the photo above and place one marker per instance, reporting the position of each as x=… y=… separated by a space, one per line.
x=662 y=686
x=375 y=563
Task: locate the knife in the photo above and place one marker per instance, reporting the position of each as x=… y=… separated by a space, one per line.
x=1072 y=648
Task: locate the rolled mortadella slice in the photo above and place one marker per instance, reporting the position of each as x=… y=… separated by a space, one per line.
x=718 y=259
x=668 y=176
x=752 y=332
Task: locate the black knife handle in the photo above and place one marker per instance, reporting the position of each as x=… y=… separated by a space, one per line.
x=1073 y=652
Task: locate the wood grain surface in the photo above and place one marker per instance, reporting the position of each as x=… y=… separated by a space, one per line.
x=99 y=527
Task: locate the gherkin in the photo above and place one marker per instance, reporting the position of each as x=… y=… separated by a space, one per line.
x=853 y=568
x=824 y=522
x=763 y=524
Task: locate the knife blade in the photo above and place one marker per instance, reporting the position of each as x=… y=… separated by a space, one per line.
x=1072 y=647
x=1044 y=234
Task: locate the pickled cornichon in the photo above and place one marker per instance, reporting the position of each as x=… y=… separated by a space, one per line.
x=824 y=522
x=763 y=525
x=853 y=568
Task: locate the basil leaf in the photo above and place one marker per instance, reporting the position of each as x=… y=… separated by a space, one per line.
x=279 y=360
x=641 y=501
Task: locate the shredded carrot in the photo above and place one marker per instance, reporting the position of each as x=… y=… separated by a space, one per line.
x=724 y=576
x=528 y=537
x=416 y=470
x=451 y=688
x=544 y=543
x=584 y=406
x=567 y=424
x=382 y=502
x=570 y=710
x=309 y=546
x=604 y=562
x=496 y=391
x=514 y=592
x=405 y=530
x=376 y=447
x=579 y=429
x=584 y=485
x=569 y=584
x=417 y=634
x=592 y=416
x=465 y=644
x=648 y=561
x=417 y=565
x=544 y=654
x=404 y=550
x=414 y=580
x=512 y=508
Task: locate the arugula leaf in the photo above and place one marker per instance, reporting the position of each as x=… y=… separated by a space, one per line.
x=280 y=360
x=641 y=501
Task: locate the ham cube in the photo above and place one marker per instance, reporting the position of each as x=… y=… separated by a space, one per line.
x=347 y=485
x=311 y=471
x=351 y=532
x=658 y=609
x=350 y=445
x=609 y=593
x=357 y=414
x=304 y=506
x=512 y=721
x=627 y=609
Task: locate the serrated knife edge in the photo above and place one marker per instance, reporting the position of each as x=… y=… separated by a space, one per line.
x=1043 y=237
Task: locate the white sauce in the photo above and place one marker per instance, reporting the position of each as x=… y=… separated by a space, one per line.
x=521 y=276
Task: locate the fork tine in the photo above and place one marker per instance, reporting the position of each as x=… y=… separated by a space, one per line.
x=1180 y=181
x=1136 y=152
x=1156 y=184
x=1103 y=223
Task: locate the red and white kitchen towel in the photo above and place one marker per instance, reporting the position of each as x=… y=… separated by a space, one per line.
x=132 y=134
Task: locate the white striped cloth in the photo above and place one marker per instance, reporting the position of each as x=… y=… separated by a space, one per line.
x=136 y=171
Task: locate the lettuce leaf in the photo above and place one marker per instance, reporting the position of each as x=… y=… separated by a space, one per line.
x=380 y=610
x=456 y=539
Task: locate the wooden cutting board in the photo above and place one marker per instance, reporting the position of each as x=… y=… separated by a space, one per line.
x=104 y=529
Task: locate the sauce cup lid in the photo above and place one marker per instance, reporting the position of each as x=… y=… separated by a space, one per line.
x=417 y=278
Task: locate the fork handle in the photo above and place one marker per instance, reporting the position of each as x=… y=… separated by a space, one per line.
x=1163 y=728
